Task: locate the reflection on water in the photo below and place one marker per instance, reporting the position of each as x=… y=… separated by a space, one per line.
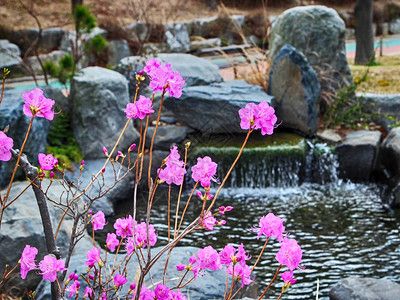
x=343 y=231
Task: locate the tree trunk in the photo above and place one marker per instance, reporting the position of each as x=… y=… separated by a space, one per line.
x=364 y=32
x=75 y=3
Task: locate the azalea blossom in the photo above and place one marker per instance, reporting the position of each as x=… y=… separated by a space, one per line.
x=37 y=105
x=124 y=226
x=6 y=144
x=141 y=235
x=119 y=280
x=112 y=241
x=47 y=162
x=27 y=260
x=240 y=272
x=288 y=279
x=271 y=226
x=174 y=171
x=204 y=170
x=261 y=116
x=74 y=288
x=140 y=109
x=93 y=257
x=289 y=254
x=208 y=221
x=208 y=258
x=49 y=266
x=98 y=220
x=146 y=294
x=88 y=292
x=162 y=292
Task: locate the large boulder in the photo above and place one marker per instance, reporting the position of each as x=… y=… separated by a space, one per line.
x=99 y=97
x=195 y=70
x=11 y=114
x=214 y=108
x=358 y=155
x=167 y=136
x=54 y=57
x=10 y=55
x=118 y=49
x=319 y=33
x=296 y=89
x=357 y=288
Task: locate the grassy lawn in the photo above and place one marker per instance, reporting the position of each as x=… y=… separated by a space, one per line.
x=382 y=78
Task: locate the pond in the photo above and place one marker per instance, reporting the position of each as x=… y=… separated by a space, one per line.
x=341 y=227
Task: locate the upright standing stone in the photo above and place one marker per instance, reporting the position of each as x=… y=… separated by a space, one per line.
x=319 y=33
x=296 y=89
x=99 y=98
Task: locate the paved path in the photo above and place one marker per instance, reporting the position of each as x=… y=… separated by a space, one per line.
x=390 y=46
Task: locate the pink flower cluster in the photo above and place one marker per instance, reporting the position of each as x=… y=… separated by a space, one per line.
x=261 y=116
x=204 y=171
x=209 y=258
x=174 y=170
x=164 y=78
x=98 y=221
x=271 y=226
x=140 y=109
x=49 y=266
x=161 y=292
x=37 y=105
x=6 y=144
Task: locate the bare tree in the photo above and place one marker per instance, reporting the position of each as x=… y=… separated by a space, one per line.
x=364 y=32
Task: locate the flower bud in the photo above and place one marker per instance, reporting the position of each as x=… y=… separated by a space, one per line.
x=131 y=147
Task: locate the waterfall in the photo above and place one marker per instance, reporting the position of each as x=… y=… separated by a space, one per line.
x=276 y=165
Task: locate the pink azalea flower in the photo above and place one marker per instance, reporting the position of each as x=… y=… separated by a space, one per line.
x=130 y=245
x=146 y=294
x=261 y=116
x=140 y=109
x=178 y=295
x=119 y=280
x=27 y=260
x=73 y=276
x=208 y=258
x=112 y=241
x=98 y=220
x=289 y=254
x=271 y=226
x=226 y=256
x=172 y=174
x=162 y=292
x=6 y=144
x=124 y=226
x=173 y=159
x=141 y=235
x=88 y=293
x=180 y=267
x=47 y=162
x=74 y=288
x=50 y=266
x=208 y=221
x=287 y=278
x=242 y=273
x=204 y=170
x=164 y=77
x=93 y=257
x=37 y=105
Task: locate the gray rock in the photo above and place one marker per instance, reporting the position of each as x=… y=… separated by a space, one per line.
x=99 y=97
x=394 y=26
x=358 y=154
x=296 y=89
x=356 y=288
x=167 y=136
x=319 y=33
x=10 y=55
x=50 y=41
x=58 y=96
x=138 y=31
x=11 y=114
x=214 y=108
x=383 y=105
x=196 y=71
x=329 y=136
x=177 y=37
x=54 y=56
x=118 y=49
x=22 y=225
